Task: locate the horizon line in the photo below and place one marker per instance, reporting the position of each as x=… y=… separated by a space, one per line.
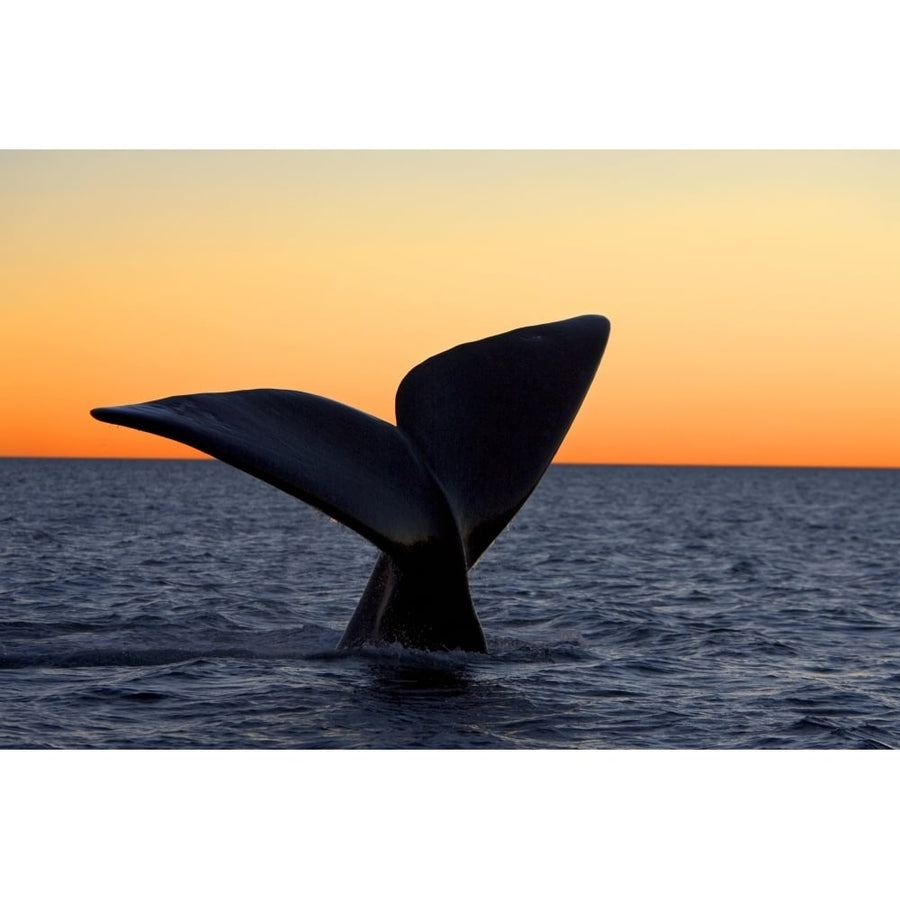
x=661 y=465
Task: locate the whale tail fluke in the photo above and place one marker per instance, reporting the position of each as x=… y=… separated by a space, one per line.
x=489 y=416
x=354 y=467
x=477 y=427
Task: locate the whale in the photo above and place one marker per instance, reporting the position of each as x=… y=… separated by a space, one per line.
x=476 y=428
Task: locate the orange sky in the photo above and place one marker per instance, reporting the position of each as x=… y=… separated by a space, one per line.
x=754 y=296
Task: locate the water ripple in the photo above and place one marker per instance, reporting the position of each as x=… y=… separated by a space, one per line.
x=164 y=604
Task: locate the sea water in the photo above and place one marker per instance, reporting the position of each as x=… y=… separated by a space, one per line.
x=163 y=604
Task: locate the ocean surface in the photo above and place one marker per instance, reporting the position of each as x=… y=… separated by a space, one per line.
x=164 y=604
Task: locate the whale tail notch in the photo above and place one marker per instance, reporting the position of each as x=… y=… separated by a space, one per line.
x=477 y=426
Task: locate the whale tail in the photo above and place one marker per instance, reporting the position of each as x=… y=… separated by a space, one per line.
x=477 y=426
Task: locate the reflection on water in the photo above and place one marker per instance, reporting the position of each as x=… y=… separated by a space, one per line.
x=415 y=678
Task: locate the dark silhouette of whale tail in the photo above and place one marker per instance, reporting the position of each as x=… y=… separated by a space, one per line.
x=477 y=427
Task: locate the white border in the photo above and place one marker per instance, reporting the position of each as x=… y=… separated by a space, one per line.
x=401 y=74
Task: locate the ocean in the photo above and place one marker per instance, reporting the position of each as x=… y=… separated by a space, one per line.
x=184 y=604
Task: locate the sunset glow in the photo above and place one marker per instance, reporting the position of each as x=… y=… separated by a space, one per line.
x=754 y=296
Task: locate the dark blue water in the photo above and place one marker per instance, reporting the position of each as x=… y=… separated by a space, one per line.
x=185 y=604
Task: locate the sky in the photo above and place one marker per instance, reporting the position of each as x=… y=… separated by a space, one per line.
x=754 y=296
